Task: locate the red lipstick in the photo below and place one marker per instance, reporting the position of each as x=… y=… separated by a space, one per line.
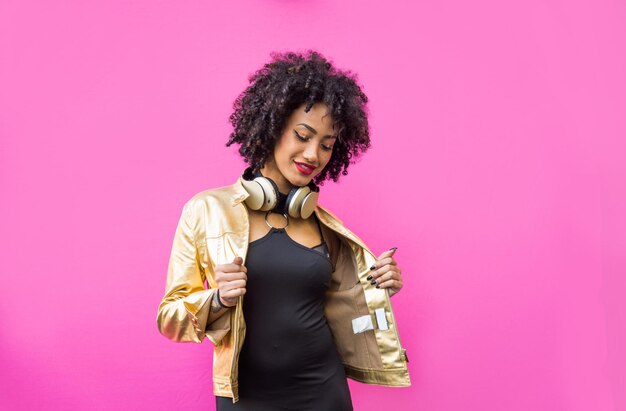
x=304 y=168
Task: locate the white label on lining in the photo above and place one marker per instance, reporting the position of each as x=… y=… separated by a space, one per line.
x=362 y=323
x=381 y=319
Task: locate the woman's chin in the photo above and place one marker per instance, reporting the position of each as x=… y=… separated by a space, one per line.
x=302 y=180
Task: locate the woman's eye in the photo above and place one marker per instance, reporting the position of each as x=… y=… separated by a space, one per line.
x=300 y=137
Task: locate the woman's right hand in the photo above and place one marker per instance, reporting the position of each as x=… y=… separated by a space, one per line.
x=231 y=281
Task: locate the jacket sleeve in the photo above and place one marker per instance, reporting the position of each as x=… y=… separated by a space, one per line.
x=188 y=311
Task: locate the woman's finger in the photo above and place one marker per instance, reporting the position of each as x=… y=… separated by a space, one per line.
x=230 y=268
x=387 y=253
x=224 y=277
x=392 y=283
x=232 y=294
x=377 y=273
x=389 y=275
x=230 y=285
x=383 y=262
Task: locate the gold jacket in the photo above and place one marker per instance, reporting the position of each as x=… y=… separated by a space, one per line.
x=213 y=229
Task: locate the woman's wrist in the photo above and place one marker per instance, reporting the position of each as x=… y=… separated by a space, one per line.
x=217 y=298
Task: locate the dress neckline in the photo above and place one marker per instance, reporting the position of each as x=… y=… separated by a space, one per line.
x=275 y=230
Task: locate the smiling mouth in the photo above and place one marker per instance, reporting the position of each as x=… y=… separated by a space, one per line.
x=304 y=168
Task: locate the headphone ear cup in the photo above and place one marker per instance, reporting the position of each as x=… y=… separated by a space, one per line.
x=308 y=204
x=296 y=200
x=270 y=191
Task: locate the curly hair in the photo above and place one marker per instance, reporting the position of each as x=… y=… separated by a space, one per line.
x=289 y=80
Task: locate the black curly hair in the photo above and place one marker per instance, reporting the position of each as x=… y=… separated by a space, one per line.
x=289 y=80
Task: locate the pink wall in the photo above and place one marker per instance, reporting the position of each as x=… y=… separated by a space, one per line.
x=497 y=168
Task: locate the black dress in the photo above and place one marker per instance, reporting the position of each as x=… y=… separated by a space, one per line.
x=288 y=360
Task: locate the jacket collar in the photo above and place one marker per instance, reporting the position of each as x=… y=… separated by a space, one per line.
x=239 y=192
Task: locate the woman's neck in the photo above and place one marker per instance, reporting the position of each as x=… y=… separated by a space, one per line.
x=284 y=186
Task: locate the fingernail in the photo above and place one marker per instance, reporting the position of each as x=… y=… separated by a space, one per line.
x=373 y=282
x=369 y=277
x=372 y=267
x=394 y=248
x=377 y=286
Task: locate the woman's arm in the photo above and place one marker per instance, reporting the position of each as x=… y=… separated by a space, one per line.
x=189 y=311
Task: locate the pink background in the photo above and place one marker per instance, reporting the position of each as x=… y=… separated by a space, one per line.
x=497 y=168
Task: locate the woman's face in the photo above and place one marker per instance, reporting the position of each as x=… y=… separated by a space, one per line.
x=304 y=148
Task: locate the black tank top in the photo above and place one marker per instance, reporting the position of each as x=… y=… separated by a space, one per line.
x=288 y=360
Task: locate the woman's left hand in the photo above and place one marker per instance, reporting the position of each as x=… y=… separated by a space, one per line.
x=386 y=273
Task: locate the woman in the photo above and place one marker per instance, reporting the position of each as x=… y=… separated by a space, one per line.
x=316 y=307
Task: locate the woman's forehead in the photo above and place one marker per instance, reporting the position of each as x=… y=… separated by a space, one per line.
x=318 y=118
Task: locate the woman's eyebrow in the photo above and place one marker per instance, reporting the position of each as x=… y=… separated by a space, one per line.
x=312 y=130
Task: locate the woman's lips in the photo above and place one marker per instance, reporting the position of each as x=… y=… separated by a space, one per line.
x=304 y=168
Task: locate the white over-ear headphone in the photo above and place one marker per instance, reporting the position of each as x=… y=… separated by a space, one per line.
x=264 y=195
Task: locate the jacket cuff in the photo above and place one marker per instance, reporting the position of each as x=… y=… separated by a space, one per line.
x=213 y=325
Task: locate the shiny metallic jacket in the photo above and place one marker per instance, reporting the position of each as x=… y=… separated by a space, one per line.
x=213 y=229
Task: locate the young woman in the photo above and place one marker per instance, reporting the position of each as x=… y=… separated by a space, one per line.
x=294 y=301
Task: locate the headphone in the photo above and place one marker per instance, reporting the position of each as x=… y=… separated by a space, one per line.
x=264 y=196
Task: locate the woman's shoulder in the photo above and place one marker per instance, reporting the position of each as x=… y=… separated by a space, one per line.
x=225 y=192
x=325 y=212
x=213 y=197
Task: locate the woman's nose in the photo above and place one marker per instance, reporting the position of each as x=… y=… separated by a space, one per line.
x=310 y=153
